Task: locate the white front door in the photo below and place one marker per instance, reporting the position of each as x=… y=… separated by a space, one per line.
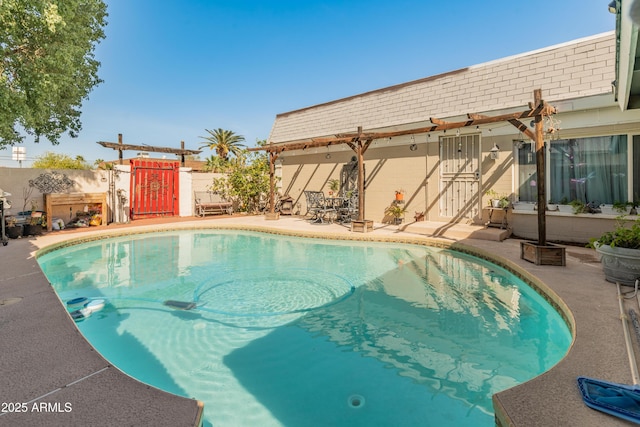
x=459 y=176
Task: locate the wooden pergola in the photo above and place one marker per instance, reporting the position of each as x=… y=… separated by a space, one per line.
x=360 y=141
x=122 y=147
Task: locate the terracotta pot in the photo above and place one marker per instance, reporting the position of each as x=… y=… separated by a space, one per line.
x=399 y=196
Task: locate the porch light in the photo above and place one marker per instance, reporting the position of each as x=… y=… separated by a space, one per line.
x=494 y=153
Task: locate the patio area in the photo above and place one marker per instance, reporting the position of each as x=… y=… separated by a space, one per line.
x=47 y=361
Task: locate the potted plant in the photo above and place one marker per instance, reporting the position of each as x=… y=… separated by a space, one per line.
x=13 y=230
x=607 y=209
x=397 y=212
x=578 y=206
x=494 y=200
x=621 y=207
x=334 y=186
x=400 y=195
x=34 y=226
x=619 y=252
x=564 y=206
x=504 y=202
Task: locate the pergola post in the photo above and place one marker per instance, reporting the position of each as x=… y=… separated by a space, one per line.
x=120 y=159
x=273 y=156
x=360 y=182
x=540 y=171
x=360 y=147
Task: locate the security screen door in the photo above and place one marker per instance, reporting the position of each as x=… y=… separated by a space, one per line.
x=459 y=176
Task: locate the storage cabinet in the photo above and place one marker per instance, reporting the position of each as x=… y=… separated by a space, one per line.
x=78 y=200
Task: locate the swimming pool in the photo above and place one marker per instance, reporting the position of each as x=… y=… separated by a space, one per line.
x=294 y=331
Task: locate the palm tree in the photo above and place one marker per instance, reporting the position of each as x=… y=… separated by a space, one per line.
x=224 y=142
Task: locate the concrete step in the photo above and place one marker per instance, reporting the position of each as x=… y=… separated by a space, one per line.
x=456 y=231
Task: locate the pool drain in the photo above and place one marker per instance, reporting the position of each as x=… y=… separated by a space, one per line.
x=356 y=401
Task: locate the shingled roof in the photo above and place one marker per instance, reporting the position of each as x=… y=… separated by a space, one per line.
x=581 y=68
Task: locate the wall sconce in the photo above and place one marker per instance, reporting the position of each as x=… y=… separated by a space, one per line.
x=494 y=153
x=413 y=147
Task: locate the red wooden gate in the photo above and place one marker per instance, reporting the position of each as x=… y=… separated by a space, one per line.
x=154 y=188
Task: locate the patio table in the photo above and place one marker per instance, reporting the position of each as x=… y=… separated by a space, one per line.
x=319 y=206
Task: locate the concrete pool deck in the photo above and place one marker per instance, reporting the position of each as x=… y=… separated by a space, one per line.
x=47 y=365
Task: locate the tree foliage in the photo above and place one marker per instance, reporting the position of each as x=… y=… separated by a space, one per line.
x=246 y=182
x=223 y=142
x=47 y=65
x=51 y=160
x=216 y=164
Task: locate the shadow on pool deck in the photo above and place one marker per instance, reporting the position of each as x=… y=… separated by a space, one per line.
x=46 y=360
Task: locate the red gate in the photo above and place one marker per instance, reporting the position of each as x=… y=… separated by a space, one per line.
x=154 y=188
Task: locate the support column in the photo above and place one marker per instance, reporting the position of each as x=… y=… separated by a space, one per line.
x=120 y=160
x=540 y=171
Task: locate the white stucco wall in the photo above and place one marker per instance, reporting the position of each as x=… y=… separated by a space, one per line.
x=185 y=204
x=16 y=182
x=115 y=184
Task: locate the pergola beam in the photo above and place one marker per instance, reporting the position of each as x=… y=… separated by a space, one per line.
x=542 y=109
x=122 y=147
x=117 y=146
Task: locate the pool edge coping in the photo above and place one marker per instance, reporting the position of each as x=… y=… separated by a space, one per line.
x=501 y=415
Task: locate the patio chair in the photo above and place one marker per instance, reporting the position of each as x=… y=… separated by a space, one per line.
x=318 y=207
x=349 y=208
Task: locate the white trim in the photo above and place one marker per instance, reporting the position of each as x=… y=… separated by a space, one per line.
x=626 y=56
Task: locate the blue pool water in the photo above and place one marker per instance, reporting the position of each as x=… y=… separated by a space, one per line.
x=303 y=332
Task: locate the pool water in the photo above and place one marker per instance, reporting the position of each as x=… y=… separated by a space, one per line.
x=303 y=332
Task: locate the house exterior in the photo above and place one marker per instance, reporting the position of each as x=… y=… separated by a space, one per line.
x=591 y=144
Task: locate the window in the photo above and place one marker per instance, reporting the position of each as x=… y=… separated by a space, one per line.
x=586 y=169
x=527 y=177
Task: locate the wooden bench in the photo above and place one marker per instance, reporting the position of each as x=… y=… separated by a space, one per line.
x=208 y=202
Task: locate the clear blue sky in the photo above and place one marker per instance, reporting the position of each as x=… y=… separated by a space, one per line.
x=172 y=69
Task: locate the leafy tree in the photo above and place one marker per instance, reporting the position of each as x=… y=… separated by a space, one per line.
x=50 y=160
x=216 y=164
x=103 y=165
x=246 y=182
x=47 y=65
x=224 y=142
